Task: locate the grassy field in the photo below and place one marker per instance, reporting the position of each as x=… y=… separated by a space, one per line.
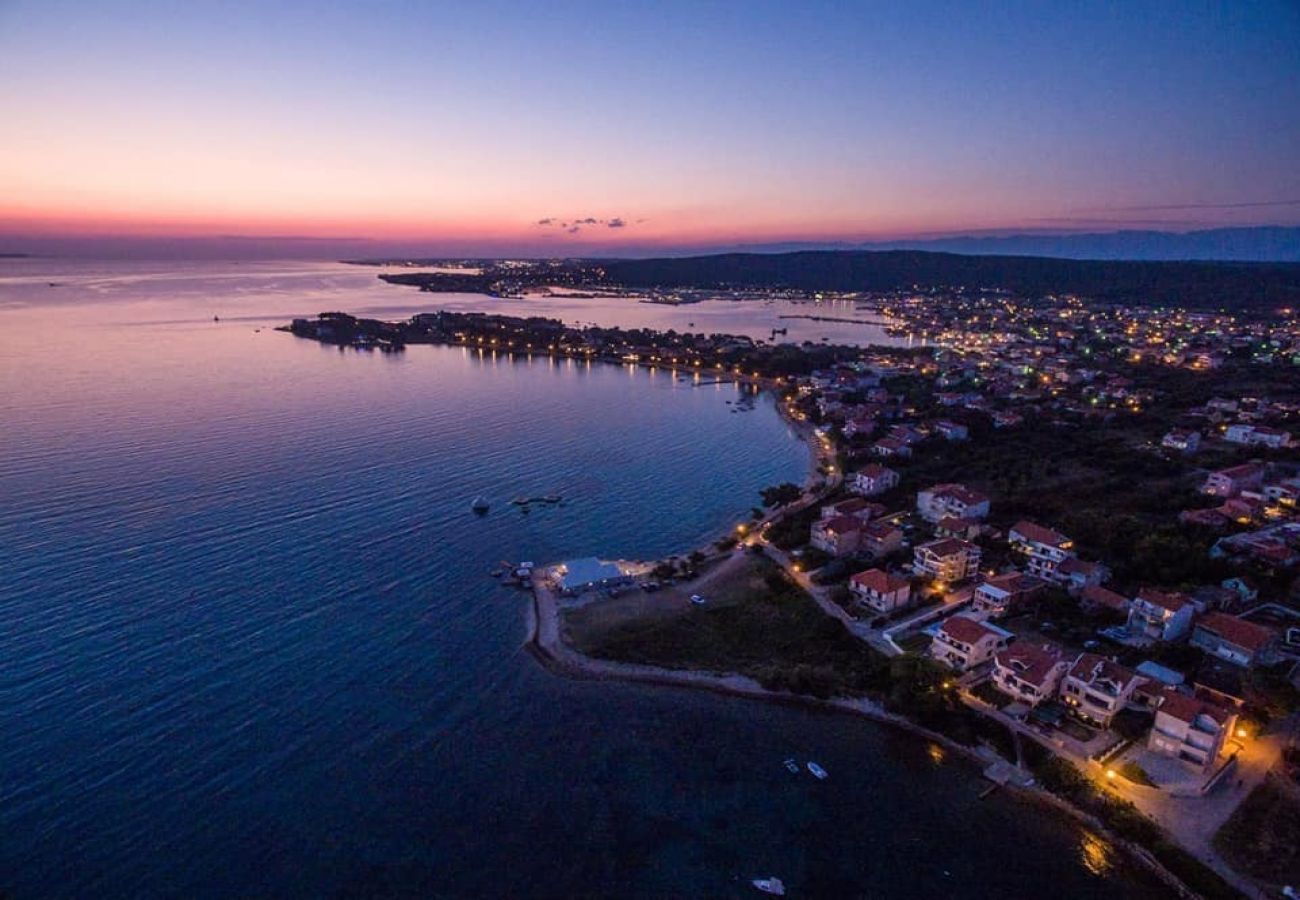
x=1262 y=838
x=755 y=623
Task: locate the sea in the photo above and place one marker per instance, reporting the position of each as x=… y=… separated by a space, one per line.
x=249 y=645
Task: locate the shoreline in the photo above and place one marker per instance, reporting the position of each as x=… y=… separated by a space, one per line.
x=545 y=643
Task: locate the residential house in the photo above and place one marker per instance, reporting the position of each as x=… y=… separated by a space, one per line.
x=838 y=536
x=948 y=560
x=1075 y=574
x=997 y=596
x=1029 y=672
x=880 y=538
x=1190 y=729
x=951 y=500
x=1184 y=440
x=857 y=507
x=1043 y=548
x=1160 y=615
x=951 y=526
x=1233 y=639
x=1097 y=599
x=874 y=479
x=1257 y=436
x=882 y=592
x=1096 y=688
x=1232 y=481
x=952 y=431
x=963 y=643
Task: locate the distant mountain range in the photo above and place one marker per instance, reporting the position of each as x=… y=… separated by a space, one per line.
x=1271 y=243
x=1256 y=287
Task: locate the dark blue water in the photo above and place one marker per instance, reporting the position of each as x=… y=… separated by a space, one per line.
x=248 y=645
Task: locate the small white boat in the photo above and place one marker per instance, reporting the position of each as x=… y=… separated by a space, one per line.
x=792 y=766
x=697 y=599
x=771 y=885
x=817 y=770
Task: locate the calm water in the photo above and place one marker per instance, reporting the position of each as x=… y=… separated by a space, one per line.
x=248 y=645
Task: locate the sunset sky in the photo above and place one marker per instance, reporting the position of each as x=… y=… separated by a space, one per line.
x=461 y=127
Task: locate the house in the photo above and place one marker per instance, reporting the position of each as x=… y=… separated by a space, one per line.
x=880 y=539
x=1190 y=729
x=857 y=507
x=951 y=526
x=963 y=643
x=890 y=446
x=995 y=597
x=1075 y=574
x=1043 y=548
x=1257 y=435
x=947 y=560
x=1232 y=481
x=951 y=500
x=952 y=431
x=882 y=592
x=1096 y=688
x=1233 y=639
x=1160 y=615
x=874 y=479
x=1243 y=587
x=1007 y=419
x=1097 y=599
x=1184 y=440
x=1029 y=672
x=857 y=425
x=837 y=536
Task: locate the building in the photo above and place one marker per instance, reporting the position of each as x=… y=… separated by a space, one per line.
x=1232 y=481
x=874 y=479
x=838 y=535
x=857 y=507
x=954 y=500
x=963 y=643
x=1257 y=436
x=1029 y=672
x=1190 y=729
x=1184 y=440
x=1160 y=615
x=1043 y=548
x=1075 y=574
x=880 y=538
x=880 y=591
x=997 y=596
x=952 y=431
x=951 y=526
x=588 y=573
x=1232 y=639
x=1097 y=599
x=1096 y=689
x=948 y=560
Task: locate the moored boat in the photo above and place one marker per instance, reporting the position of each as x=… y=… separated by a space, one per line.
x=480 y=505
x=773 y=885
x=817 y=770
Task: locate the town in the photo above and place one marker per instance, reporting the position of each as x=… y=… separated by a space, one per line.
x=1077 y=522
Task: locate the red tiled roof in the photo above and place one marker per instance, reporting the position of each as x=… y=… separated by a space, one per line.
x=1030 y=662
x=965 y=629
x=879 y=580
x=1170 y=600
x=1090 y=667
x=1100 y=596
x=946 y=546
x=842 y=525
x=1031 y=531
x=1246 y=635
x=1187 y=709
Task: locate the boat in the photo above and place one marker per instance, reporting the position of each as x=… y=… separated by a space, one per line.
x=771 y=885
x=480 y=505
x=817 y=770
x=792 y=766
x=552 y=498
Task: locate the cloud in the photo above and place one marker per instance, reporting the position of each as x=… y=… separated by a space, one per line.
x=545 y=222
x=575 y=225
x=573 y=230
x=616 y=223
x=587 y=221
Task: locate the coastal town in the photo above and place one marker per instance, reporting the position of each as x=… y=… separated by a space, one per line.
x=1075 y=524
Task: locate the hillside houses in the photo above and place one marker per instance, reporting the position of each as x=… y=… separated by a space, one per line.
x=954 y=500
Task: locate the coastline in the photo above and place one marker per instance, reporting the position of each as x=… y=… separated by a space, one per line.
x=545 y=642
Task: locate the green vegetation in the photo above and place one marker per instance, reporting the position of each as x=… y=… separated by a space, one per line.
x=781 y=494
x=989 y=693
x=1262 y=838
x=761 y=626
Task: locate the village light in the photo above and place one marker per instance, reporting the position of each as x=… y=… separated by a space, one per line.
x=1110 y=774
x=1241 y=732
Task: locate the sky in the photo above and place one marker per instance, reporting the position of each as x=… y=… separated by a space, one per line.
x=560 y=128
